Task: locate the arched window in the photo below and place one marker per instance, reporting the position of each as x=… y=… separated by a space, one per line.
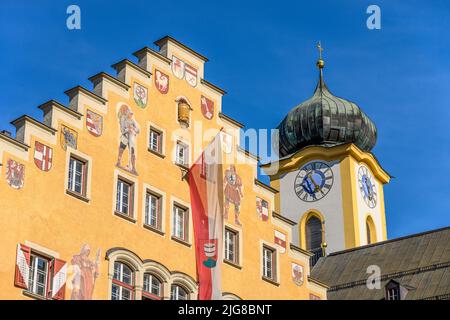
x=152 y=288
x=178 y=293
x=370 y=231
x=314 y=238
x=123 y=282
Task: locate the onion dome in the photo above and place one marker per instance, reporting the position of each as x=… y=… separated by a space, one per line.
x=325 y=120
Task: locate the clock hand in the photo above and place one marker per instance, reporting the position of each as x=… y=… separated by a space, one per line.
x=316 y=186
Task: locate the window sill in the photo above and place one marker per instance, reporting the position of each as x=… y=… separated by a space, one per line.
x=33 y=295
x=233 y=264
x=123 y=216
x=182 y=166
x=77 y=195
x=271 y=281
x=159 y=154
x=181 y=241
x=158 y=231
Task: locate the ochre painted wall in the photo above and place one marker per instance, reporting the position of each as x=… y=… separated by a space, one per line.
x=43 y=214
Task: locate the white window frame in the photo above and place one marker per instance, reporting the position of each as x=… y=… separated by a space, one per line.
x=176 y=295
x=149 y=284
x=184 y=158
x=149 y=209
x=177 y=233
x=120 y=197
x=121 y=288
x=159 y=140
x=73 y=173
x=235 y=245
x=34 y=272
x=269 y=265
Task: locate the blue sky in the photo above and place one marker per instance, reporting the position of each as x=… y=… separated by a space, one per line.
x=263 y=53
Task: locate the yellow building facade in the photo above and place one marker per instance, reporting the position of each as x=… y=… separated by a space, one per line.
x=96 y=203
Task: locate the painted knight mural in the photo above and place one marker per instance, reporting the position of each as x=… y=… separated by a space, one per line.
x=129 y=130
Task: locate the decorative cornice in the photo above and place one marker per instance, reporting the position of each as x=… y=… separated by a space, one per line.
x=116 y=81
x=127 y=62
x=54 y=103
x=160 y=42
x=247 y=153
x=265 y=186
x=295 y=248
x=37 y=123
x=231 y=120
x=284 y=219
x=71 y=92
x=212 y=86
x=153 y=53
x=17 y=143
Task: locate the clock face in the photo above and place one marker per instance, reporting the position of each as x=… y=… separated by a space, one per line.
x=314 y=181
x=367 y=187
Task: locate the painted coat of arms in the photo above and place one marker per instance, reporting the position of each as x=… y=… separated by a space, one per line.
x=207 y=107
x=43 y=156
x=69 y=138
x=191 y=75
x=15 y=174
x=161 y=82
x=262 y=208
x=94 y=123
x=178 y=67
x=209 y=256
x=297 y=274
x=140 y=95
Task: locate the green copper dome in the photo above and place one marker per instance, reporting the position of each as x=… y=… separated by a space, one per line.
x=325 y=120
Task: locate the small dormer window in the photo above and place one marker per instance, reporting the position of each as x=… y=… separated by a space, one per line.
x=394 y=291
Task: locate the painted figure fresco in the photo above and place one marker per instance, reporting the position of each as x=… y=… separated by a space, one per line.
x=207 y=107
x=15 y=174
x=140 y=95
x=161 y=82
x=94 y=123
x=69 y=138
x=233 y=193
x=84 y=274
x=129 y=129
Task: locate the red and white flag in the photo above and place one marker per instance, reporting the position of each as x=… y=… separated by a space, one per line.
x=43 y=156
x=206 y=189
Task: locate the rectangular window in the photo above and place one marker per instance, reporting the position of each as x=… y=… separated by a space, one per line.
x=231 y=246
x=269 y=263
x=155 y=140
x=182 y=154
x=153 y=210
x=124 y=198
x=180 y=223
x=77 y=176
x=38 y=275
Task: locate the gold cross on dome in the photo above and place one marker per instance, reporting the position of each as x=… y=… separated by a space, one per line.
x=319 y=47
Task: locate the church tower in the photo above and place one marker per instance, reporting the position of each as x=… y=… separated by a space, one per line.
x=328 y=180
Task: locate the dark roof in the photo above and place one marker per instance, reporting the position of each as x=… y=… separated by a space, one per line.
x=420 y=263
x=325 y=119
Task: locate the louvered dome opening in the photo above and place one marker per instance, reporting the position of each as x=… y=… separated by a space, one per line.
x=313 y=234
x=314 y=238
